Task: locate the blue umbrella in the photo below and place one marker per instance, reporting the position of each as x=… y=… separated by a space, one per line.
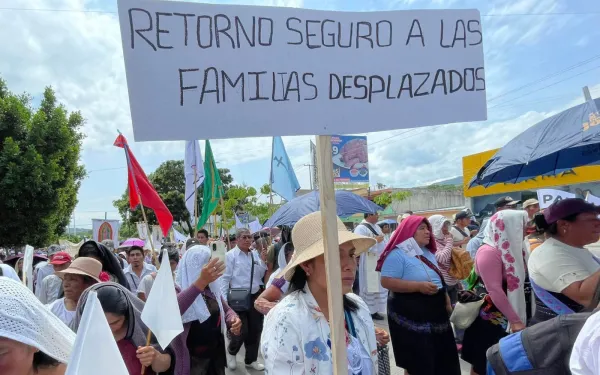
x=347 y=204
x=557 y=144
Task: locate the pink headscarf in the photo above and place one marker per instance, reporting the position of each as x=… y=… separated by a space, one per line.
x=406 y=230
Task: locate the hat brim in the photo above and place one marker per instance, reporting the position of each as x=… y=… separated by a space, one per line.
x=60 y=262
x=74 y=271
x=361 y=244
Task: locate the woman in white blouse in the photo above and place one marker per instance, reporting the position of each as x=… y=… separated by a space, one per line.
x=296 y=334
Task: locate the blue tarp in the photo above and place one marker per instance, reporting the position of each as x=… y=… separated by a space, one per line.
x=557 y=144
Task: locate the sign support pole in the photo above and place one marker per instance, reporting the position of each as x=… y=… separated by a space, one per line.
x=332 y=254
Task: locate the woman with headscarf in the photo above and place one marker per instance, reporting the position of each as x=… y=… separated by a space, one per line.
x=296 y=335
x=111 y=267
x=277 y=286
x=444 y=244
x=123 y=312
x=418 y=304
x=32 y=339
x=208 y=312
x=500 y=265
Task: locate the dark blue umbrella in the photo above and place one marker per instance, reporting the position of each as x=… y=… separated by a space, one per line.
x=347 y=204
x=557 y=144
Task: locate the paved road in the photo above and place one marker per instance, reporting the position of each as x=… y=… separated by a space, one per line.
x=241 y=370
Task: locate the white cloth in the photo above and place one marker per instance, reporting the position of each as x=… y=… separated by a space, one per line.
x=133 y=279
x=59 y=309
x=47 y=291
x=24 y=319
x=295 y=336
x=145 y=285
x=194 y=176
x=458 y=237
x=377 y=301
x=437 y=224
x=237 y=271
x=555 y=265
x=585 y=357
x=8 y=271
x=505 y=232
x=281 y=264
x=359 y=360
x=41 y=271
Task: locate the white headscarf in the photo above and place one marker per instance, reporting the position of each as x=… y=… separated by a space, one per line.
x=281 y=264
x=505 y=232
x=437 y=224
x=24 y=319
x=8 y=271
x=188 y=271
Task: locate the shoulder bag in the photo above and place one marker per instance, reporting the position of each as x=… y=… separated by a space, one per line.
x=240 y=299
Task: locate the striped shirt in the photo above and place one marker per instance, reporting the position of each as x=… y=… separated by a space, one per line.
x=443 y=255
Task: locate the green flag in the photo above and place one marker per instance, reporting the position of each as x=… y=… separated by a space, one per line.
x=213 y=187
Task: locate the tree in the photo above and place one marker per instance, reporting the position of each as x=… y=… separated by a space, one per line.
x=169 y=181
x=380 y=186
x=386 y=199
x=40 y=173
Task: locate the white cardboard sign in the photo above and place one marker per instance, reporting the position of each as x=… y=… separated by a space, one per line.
x=199 y=71
x=410 y=247
x=548 y=196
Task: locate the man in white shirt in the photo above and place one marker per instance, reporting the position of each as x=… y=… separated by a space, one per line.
x=147 y=282
x=137 y=268
x=49 y=289
x=44 y=269
x=237 y=275
x=371 y=291
x=460 y=231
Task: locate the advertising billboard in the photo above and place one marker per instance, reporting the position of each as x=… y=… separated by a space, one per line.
x=350 y=161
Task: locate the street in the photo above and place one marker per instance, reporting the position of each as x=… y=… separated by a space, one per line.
x=242 y=370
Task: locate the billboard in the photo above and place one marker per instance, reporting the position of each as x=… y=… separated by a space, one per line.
x=350 y=161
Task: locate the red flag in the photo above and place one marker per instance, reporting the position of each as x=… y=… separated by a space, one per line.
x=141 y=188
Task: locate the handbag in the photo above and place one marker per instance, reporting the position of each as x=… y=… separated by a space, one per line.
x=461 y=264
x=240 y=299
x=383 y=360
x=466 y=310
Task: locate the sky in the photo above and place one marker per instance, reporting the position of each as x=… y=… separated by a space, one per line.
x=538 y=56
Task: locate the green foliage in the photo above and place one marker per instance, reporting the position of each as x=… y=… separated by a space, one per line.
x=243 y=199
x=444 y=187
x=386 y=199
x=169 y=181
x=40 y=173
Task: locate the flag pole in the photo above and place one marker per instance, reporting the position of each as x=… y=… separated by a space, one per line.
x=226 y=229
x=271 y=177
x=195 y=201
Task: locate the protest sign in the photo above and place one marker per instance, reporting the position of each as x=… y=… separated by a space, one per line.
x=410 y=247
x=198 y=71
x=28 y=267
x=548 y=196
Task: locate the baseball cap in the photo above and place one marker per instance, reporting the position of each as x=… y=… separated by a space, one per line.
x=505 y=201
x=461 y=215
x=52 y=249
x=61 y=258
x=567 y=207
x=530 y=202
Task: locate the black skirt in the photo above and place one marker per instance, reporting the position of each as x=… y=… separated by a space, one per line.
x=422 y=337
x=478 y=338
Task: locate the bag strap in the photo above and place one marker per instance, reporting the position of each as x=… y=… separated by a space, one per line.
x=461 y=231
x=251 y=271
x=433 y=267
x=368 y=225
x=550 y=301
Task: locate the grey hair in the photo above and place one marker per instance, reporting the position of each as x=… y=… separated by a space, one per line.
x=241 y=231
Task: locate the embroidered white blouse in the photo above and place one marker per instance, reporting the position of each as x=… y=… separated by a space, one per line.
x=296 y=336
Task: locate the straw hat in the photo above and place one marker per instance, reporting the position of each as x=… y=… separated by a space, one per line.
x=83 y=266
x=308 y=241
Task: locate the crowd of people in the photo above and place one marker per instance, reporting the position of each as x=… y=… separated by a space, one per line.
x=523 y=266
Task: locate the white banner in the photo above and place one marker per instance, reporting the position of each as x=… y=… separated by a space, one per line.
x=548 y=196
x=199 y=71
x=106 y=230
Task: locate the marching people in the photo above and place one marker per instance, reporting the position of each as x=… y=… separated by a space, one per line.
x=296 y=335
x=137 y=268
x=245 y=270
x=532 y=207
x=277 y=286
x=32 y=339
x=505 y=203
x=110 y=265
x=49 y=289
x=563 y=272
x=43 y=269
x=500 y=266
x=203 y=237
x=80 y=275
x=369 y=282
x=8 y=271
x=418 y=306
x=143 y=290
x=386 y=229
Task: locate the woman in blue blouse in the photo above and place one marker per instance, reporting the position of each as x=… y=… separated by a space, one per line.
x=418 y=304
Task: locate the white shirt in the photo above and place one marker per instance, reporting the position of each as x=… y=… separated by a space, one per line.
x=458 y=237
x=133 y=279
x=585 y=357
x=47 y=291
x=41 y=271
x=59 y=309
x=295 y=335
x=237 y=271
x=8 y=271
x=555 y=265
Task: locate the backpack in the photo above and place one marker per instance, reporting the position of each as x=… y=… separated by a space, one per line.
x=544 y=348
x=461 y=264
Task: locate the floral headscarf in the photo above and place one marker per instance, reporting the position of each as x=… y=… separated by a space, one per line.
x=505 y=232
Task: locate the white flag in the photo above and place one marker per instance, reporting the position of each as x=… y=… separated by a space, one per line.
x=548 y=196
x=88 y=357
x=255 y=226
x=193 y=169
x=28 y=267
x=161 y=312
x=179 y=237
x=238 y=223
x=410 y=247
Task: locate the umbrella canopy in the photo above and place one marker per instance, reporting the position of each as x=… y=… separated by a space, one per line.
x=347 y=204
x=557 y=144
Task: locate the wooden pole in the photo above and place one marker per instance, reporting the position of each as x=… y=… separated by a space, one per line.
x=149 y=233
x=148 y=338
x=332 y=254
x=271 y=177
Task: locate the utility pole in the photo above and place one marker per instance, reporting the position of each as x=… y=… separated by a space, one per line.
x=310 y=166
x=586 y=93
x=105 y=215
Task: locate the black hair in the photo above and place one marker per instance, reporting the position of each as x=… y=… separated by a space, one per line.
x=172 y=253
x=132 y=248
x=289 y=248
x=110 y=262
x=367 y=215
x=204 y=232
x=89 y=250
x=113 y=301
x=298 y=282
x=42 y=360
x=552 y=229
x=232 y=237
x=409 y=212
x=191 y=242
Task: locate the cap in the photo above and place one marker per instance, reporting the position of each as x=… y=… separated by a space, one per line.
x=461 y=215
x=530 y=202
x=61 y=258
x=505 y=201
x=52 y=249
x=567 y=207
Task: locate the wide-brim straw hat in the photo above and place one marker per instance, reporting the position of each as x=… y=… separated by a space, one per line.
x=309 y=242
x=83 y=266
